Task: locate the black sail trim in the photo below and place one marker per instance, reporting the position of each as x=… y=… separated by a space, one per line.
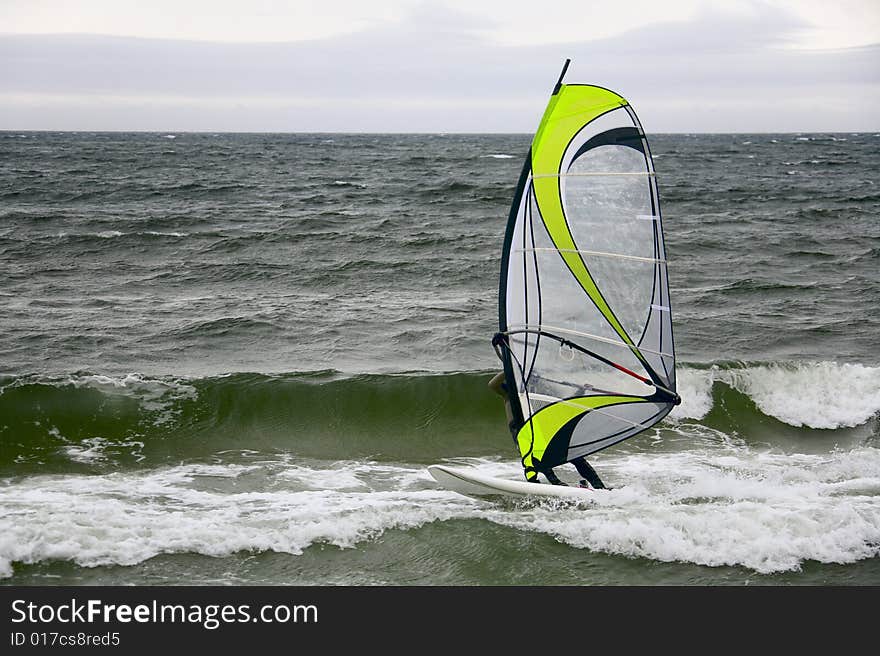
x=509 y=378
x=630 y=137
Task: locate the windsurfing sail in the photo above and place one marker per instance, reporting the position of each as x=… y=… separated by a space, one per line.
x=585 y=330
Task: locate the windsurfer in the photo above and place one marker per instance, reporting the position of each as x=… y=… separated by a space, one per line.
x=497 y=385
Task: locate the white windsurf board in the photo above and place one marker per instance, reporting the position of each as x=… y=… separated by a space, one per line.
x=472 y=484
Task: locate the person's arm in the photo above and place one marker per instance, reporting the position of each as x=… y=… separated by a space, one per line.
x=497 y=384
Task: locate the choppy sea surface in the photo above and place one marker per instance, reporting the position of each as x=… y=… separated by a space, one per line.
x=229 y=358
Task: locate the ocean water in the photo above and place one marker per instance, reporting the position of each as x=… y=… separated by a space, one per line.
x=229 y=358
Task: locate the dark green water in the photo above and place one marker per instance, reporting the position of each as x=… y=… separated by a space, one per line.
x=229 y=358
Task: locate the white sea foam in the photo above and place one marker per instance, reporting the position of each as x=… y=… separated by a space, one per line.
x=95 y=449
x=695 y=389
x=717 y=504
x=819 y=395
x=726 y=505
x=499 y=156
x=124 y=519
x=154 y=395
x=110 y=234
x=812 y=394
x=156 y=233
x=87 y=451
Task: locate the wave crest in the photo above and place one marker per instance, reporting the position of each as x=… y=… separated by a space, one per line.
x=819 y=395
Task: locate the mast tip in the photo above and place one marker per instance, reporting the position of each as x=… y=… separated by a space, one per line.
x=561 y=75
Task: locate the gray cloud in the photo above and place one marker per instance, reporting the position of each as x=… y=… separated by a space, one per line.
x=434 y=72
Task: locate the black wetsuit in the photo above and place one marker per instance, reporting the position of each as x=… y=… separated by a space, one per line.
x=586 y=470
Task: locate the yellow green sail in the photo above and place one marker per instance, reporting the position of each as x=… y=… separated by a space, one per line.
x=585 y=319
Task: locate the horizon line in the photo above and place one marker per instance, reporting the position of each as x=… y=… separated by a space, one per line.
x=411 y=132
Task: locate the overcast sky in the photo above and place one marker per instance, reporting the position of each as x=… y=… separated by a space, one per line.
x=434 y=65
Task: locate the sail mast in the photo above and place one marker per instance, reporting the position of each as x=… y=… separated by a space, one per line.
x=561 y=75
